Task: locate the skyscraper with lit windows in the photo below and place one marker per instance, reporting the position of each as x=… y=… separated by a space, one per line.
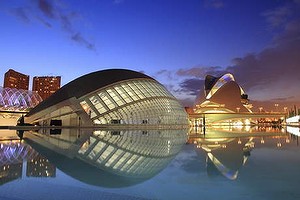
x=14 y=79
x=45 y=86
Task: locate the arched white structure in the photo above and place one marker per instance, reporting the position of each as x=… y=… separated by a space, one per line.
x=12 y=99
x=221 y=81
x=223 y=95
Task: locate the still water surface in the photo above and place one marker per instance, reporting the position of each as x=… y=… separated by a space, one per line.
x=228 y=163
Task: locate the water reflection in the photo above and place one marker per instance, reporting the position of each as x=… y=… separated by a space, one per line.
x=293 y=130
x=109 y=158
x=254 y=163
x=228 y=150
x=19 y=160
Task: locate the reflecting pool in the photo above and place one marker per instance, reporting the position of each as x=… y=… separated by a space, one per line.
x=220 y=163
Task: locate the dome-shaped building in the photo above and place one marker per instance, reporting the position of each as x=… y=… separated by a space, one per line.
x=114 y=96
x=12 y=99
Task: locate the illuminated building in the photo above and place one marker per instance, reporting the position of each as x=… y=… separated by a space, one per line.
x=40 y=166
x=10 y=172
x=117 y=158
x=45 y=86
x=12 y=155
x=12 y=99
x=223 y=102
x=116 y=97
x=223 y=95
x=13 y=79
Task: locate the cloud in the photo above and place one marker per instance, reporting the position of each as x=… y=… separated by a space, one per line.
x=77 y=37
x=162 y=71
x=215 y=4
x=46 y=8
x=271 y=75
x=278 y=16
x=297 y=1
x=21 y=14
x=199 y=71
x=191 y=86
x=65 y=20
x=187 y=84
x=44 y=22
x=50 y=12
x=274 y=70
x=168 y=74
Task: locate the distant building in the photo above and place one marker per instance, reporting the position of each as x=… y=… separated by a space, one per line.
x=13 y=79
x=45 y=86
x=223 y=103
x=223 y=95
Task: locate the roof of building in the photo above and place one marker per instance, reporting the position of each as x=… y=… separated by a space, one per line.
x=210 y=81
x=17 y=99
x=86 y=84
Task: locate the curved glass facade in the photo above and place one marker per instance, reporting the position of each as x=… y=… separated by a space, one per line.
x=138 y=101
x=111 y=98
x=132 y=153
x=125 y=153
x=18 y=100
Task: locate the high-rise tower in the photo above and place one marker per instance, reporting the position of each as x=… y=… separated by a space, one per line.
x=46 y=85
x=13 y=79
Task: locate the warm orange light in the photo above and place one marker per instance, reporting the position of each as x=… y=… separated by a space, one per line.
x=278 y=144
x=287 y=140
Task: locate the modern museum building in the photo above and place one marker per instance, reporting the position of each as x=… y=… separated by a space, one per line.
x=114 y=97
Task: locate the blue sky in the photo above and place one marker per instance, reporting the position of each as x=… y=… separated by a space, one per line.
x=177 y=42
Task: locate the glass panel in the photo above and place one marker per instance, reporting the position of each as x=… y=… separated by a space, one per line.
x=114 y=157
x=94 y=100
x=115 y=97
x=137 y=90
x=100 y=107
x=86 y=145
x=108 y=102
x=121 y=160
x=85 y=106
x=106 y=153
x=123 y=94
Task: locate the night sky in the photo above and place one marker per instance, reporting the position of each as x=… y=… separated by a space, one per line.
x=177 y=42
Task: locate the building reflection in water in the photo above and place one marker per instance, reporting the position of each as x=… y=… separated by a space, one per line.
x=39 y=166
x=228 y=151
x=127 y=157
x=19 y=160
x=109 y=158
